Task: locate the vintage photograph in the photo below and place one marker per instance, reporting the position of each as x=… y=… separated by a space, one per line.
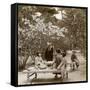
x=52 y=44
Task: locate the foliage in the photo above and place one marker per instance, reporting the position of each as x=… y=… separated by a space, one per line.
x=37 y=25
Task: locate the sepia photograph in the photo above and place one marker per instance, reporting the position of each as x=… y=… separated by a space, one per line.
x=52 y=44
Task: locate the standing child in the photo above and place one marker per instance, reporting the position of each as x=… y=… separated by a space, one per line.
x=75 y=61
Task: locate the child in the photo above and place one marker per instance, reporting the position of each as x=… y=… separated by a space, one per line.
x=39 y=63
x=64 y=53
x=74 y=60
x=60 y=63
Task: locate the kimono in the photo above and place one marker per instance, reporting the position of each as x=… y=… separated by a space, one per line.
x=49 y=54
x=60 y=64
x=39 y=63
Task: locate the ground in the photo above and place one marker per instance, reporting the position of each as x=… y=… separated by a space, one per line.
x=77 y=75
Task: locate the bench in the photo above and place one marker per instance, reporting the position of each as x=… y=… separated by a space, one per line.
x=54 y=71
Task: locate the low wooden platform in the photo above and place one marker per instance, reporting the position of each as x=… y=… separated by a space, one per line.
x=31 y=72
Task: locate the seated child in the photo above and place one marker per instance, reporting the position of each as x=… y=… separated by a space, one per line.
x=74 y=60
x=63 y=53
x=59 y=62
x=39 y=63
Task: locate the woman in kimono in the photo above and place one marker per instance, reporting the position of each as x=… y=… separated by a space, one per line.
x=39 y=63
x=49 y=52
